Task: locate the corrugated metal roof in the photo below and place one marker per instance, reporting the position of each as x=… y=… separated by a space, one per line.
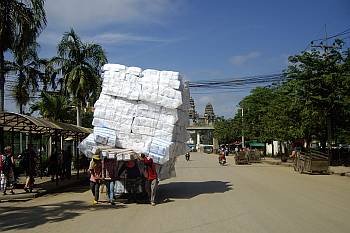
x=28 y=124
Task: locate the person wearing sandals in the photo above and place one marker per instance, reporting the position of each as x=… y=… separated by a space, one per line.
x=95 y=169
x=150 y=174
x=6 y=170
x=109 y=167
x=29 y=162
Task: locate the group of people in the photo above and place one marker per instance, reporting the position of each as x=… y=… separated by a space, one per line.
x=7 y=169
x=60 y=163
x=108 y=172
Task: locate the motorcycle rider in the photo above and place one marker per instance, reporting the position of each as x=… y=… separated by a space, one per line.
x=187 y=156
x=223 y=154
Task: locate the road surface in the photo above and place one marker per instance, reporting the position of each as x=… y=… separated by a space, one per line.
x=204 y=197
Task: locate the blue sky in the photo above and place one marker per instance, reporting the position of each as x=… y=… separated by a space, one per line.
x=202 y=39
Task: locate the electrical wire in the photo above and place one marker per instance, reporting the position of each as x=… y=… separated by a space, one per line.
x=347 y=31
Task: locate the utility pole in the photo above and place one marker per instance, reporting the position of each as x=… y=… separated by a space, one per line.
x=324 y=46
x=243 y=145
x=242 y=114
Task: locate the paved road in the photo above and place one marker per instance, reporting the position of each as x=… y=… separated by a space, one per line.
x=204 y=197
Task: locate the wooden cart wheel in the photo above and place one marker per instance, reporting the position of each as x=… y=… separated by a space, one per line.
x=298 y=165
x=301 y=169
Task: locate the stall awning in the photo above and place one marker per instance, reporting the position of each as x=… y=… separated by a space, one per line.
x=255 y=144
x=27 y=124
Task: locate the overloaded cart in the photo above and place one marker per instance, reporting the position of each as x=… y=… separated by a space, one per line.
x=254 y=156
x=241 y=158
x=131 y=181
x=140 y=111
x=312 y=161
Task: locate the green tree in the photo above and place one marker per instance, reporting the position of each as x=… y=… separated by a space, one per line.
x=322 y=83
x=27 y=69
x=313 y=102
x=20 y=24
x=255 y=107
x=80 y=66
x=226 y=130
x=53 y=107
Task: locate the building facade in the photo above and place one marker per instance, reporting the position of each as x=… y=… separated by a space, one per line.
x=201 y=128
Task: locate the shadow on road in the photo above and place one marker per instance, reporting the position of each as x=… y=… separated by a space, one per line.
x=186 y=190
x=20 y=218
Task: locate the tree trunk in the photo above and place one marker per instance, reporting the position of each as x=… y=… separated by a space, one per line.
x=78 y=114
x=2 y=94
x=2 y=80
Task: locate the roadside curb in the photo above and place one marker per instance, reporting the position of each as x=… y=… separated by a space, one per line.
x=340 y=174
x=291 y=165
x=285 y=164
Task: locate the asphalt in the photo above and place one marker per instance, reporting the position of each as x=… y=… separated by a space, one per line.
x=204 y=197
x=45 y=186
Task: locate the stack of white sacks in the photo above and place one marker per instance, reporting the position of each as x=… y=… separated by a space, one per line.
x=145 y=111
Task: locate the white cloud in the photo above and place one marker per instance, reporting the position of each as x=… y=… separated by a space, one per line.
x=118 y=38
x=241 y=59
x=94 y=13
x=52 y=38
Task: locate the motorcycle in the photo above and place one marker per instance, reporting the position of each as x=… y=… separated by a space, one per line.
x=187 y=156
x=222 y=159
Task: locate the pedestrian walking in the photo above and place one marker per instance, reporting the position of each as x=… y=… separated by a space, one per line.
x=67 y=162
x=95 y=169
x=29 y=160
x=7 y=175
x=53 y=166
x=109 y=174
x=150 y=174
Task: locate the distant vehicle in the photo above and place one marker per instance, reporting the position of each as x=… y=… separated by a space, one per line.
x=208 y=149
x=192 y=147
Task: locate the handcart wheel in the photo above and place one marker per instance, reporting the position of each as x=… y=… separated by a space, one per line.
x=301 y=169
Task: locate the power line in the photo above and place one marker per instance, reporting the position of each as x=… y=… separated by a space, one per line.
x=238 y=83
x=347 y=31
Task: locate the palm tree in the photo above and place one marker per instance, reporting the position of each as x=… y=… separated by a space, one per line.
x=80 y=66
x=53 y=107
x=21 y=21
x=27 y=68
x=21 y=95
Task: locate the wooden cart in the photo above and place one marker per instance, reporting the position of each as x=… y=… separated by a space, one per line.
x=241 y=158
x=254 y=156
x=311 y=162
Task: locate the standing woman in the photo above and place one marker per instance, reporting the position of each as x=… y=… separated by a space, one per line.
x=95 y=169
x=7 y=163
x=29 y=156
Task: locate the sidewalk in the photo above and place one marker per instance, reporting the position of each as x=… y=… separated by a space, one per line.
x=42 y=186
x=336 y=170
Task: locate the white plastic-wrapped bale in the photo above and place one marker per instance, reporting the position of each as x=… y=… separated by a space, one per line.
x=145 y=111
